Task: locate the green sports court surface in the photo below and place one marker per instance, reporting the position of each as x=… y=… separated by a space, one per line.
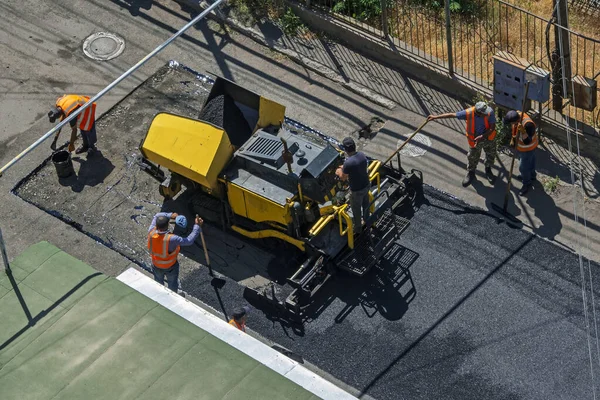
x=70 y=332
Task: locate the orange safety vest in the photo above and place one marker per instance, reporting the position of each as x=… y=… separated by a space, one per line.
x=521 y=146
x=158 y=244
x=241 y=327
x=471 y=126
x=69 y=102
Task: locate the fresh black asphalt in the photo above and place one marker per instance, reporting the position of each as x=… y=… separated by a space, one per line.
x=485 y=311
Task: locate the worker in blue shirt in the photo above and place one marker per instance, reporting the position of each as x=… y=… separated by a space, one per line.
x=480 y=131
x=355 y=172
x=164 y=246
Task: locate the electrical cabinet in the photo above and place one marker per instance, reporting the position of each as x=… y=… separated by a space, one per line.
x=585 y=93
x=510 y=76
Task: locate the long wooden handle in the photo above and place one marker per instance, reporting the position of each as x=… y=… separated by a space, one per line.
x=405 y=142
x=205 y=249
x=514 y=155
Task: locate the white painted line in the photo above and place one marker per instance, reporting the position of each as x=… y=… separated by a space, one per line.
x=219 y=328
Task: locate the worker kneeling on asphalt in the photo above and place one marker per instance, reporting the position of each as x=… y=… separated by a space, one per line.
x=164 y=247
x=64 y=107
x=355 y=172
x=525 y=137
x=240 y=316
x=480 y=131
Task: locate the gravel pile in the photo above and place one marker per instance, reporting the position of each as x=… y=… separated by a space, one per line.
x=222 y=111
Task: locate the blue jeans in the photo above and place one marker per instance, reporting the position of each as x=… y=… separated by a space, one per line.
x=172 y=275
x=89 y=137
x=527 y=166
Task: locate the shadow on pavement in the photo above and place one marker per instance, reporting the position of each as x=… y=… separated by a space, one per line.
x=134 y=6
x=34 y=320
x=93 y=170
x=448 y=313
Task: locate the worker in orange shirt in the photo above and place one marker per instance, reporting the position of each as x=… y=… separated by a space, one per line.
x=240 y=316
x=65 y=106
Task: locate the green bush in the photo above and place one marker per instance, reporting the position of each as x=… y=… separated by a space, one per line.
x=291 y=23
x=362 y=10
x=464 y=7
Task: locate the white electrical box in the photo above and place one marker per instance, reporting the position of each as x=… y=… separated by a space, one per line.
x=510 y=76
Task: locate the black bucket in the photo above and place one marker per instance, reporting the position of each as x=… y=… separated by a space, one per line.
x=63 y=164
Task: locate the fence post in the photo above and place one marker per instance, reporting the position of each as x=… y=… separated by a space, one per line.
x=5 y=267
x=449 y=38
x=384 y=18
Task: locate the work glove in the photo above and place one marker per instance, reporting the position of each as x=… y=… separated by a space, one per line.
x=71 y=147
x=53 y=144
x=527 y=140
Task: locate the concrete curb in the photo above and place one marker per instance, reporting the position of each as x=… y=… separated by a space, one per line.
x=248 y=345
x=313 y=65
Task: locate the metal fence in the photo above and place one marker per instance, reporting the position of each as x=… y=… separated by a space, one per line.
x=463 y=42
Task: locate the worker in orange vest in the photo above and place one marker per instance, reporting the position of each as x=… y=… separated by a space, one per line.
x=525 y=140
x=164 y=247
x=65 y=106
x=240 y=316
x=480 y=131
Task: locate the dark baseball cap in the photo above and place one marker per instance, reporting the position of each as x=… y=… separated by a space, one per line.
x=240 y=312
x=511 y=116
x=348 y=144
x=53 y=114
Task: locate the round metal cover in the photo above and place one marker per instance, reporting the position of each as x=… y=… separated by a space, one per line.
x=103 y=46
x=419 y=148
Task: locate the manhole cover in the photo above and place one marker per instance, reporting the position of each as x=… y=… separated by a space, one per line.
x=416 y=147
x=103 y=46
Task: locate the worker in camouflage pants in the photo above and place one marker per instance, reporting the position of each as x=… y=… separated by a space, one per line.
x=480 y=132
x=474 y=154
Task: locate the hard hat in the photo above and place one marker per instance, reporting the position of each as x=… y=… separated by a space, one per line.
x=181 y=221
x=482 y=107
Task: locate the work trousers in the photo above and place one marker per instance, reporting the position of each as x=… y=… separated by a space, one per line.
x=527 y=166
x=89 y=137
x=172 y=275
x=359 y=200
x=489 y=147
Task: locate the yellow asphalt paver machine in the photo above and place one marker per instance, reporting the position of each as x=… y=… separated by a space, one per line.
x=259 y=174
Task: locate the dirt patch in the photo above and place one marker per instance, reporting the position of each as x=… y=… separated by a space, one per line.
x=110 y=199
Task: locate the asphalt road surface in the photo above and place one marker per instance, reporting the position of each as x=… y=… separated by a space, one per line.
x=466 y=308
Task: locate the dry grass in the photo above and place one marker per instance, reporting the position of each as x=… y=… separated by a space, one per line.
x=475 y=41
x=581 y=19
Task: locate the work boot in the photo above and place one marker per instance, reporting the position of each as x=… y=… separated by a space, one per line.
x=524 y=190
x=81 y=149
x=468 y=178
x=490 y=175
x=91 y=151
x=520 y=178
